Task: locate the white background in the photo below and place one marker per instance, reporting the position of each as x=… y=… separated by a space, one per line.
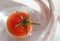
x=57 y=12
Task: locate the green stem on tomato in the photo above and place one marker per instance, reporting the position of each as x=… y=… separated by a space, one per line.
x=26 y=28
x=25 y=22
x=19 y=24
x=35 y=24
x=20 y=15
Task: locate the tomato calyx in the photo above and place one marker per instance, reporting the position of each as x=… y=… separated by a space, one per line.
x=25 y=22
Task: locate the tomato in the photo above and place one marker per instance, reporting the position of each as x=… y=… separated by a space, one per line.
x=14 y=19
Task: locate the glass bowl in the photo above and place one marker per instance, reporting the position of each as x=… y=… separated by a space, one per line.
x=44 y=15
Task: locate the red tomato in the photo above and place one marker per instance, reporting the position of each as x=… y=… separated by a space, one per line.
x=14 y=19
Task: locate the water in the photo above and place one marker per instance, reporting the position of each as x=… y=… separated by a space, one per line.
x=38 y=17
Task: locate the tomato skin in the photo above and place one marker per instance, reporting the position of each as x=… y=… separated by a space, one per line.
x=14 y=19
